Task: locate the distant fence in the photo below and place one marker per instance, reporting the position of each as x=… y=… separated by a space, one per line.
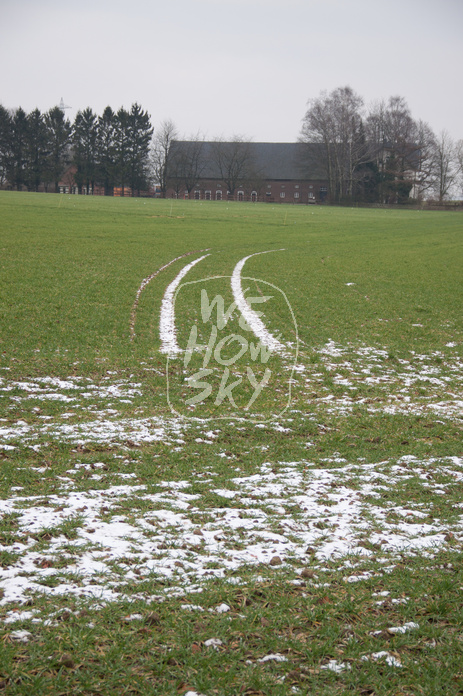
x=425 y=205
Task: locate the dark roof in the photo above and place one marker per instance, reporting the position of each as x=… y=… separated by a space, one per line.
x=281 y=161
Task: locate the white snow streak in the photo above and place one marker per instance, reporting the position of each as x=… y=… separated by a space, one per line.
x=145 y=282
x=251 y=317
x=167 y=330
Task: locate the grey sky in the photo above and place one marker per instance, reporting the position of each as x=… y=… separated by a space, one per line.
x=243 y=67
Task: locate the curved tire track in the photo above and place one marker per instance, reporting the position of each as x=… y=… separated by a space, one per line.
x=252 y=319
x=144 y=283
x=167 y=330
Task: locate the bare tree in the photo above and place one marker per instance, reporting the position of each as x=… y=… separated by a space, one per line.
x=161 y=153
x=335 y=121
x=445 y=166
x=317 y=127
x=186 y=163
x=395 y=148
x=234 y=162
x=424 y=168
x=459 y=163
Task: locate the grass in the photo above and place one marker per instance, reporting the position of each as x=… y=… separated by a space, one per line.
x=164 y=647
x=81 y=263
x=320 y=528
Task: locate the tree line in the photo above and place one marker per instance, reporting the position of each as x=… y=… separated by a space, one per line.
x=376 y=155
x=111 y=150
x=380 y=154
x=383 y=154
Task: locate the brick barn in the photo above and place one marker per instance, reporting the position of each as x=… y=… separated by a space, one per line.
x=247 y=171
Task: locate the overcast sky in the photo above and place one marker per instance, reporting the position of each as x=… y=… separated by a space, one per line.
x=243 y=67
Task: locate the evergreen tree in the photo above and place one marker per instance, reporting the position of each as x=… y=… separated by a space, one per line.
x=121 y=148
x=106 y=149
x=139 y=133
x=18 y=148
x=84 y=140
x=5 y=143
x=59 y=137
x=36 y=150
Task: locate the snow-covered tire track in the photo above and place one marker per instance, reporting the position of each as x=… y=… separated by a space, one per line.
x=167 y=330
x=147 y=280
x=250 y=316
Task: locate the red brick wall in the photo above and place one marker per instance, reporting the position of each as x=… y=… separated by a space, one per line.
x=268 y=191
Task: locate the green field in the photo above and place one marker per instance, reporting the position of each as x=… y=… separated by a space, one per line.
x=152 y=547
